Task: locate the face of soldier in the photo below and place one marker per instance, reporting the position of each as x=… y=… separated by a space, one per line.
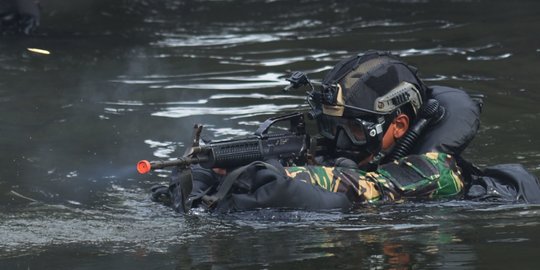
x=395 y=131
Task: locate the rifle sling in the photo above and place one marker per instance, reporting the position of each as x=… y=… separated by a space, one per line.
x=186 y=186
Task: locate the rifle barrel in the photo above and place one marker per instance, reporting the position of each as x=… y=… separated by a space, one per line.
x=145 y=166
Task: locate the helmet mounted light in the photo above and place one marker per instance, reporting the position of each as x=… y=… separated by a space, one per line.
x=402 y=94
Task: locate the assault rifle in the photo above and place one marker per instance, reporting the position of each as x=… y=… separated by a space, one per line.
x=290 y=147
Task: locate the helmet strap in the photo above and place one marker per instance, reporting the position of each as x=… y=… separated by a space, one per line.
x=379 y=154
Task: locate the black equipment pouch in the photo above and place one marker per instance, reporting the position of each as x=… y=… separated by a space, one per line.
x=242 y=180
x=504 y=183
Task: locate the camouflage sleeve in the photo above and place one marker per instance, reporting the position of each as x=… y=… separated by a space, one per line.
x=428 y=176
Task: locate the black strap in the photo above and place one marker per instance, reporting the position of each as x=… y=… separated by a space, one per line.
x=186 y=186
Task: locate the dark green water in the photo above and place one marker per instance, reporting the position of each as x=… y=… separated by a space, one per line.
x=126 y=80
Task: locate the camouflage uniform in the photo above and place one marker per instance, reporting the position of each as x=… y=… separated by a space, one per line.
x=432 y=175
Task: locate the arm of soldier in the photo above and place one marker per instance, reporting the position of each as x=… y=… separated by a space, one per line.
x=353 y=182
x=432 y=175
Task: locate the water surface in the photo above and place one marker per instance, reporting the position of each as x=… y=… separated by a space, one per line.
x=127 y=80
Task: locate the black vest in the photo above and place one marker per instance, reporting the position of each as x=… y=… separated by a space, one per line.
x=501 y=183
x=457 y=128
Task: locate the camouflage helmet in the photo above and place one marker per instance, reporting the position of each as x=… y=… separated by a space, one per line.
x=359 y=98
x=371 y=83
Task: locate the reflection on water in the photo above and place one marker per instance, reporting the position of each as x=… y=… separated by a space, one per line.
x=128 y=80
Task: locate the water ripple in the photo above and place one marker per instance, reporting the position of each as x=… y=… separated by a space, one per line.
x=221 y=132
x=440 y=77
x=488 y=57
x=236 y=112
x=277 y=61
x=138 y=103
x=266 y=80
x=48 y=225
x=218 y=40
x=440 y=50
x=163 y=149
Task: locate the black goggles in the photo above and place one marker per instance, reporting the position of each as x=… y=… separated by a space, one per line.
x=359 y=131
